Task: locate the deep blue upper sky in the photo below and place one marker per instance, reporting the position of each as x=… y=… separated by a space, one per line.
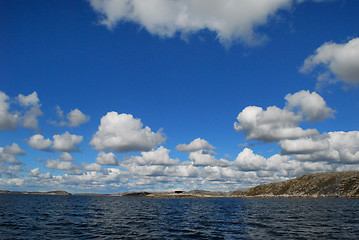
x=191 y=86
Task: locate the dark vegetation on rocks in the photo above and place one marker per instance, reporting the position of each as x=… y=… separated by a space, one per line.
x=331 y=184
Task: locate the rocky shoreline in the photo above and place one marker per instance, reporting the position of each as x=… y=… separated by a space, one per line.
x=318 y=185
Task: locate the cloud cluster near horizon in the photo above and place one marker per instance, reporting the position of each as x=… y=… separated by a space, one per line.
x=282 y=126
x=231 y=20
x=302 y=151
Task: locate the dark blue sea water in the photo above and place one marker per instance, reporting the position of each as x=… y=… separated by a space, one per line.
x=87 y=217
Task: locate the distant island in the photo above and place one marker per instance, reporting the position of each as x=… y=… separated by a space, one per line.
x=318 y=185
x=36 y=193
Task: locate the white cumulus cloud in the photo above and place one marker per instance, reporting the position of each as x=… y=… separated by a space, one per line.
x=39 y=142
x=26 y=116
x=270 y=125
x=92 y=166
x=229 y=19
x=65 y=156
x=34 y=172
x=106 y=158
x=123 y=133
x=29 y=100
x=29 y=119
x=6 y=157
x=248 y=161
x=8 y=120
x=338 y=147
x=311 y=105
x=340 y=60
x=64 y=162
x=75 y=118
x=66 y=142
x=196 y=145
x=160 y=156
x=200 y=158
x=14 y=149
x=60 y=165
x=275 y=124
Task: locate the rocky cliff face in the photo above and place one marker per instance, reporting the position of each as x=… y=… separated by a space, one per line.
x=332 y=184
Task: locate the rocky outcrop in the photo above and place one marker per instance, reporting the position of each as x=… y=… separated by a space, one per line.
x=133 y=194
x=57 y=193
x=332 y=184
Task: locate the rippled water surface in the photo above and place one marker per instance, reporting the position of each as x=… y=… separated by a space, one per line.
x=94 y=217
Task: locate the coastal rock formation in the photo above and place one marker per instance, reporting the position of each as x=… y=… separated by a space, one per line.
x=331 y=184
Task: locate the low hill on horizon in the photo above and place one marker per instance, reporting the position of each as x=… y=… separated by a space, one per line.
x=329 y=184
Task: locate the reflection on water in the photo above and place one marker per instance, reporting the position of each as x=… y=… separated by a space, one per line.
x=91 y=217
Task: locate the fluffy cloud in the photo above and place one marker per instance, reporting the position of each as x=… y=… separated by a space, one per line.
x=195 y=145
x=123 y=133
x=92 y=166
x=229 y=19
x=341 y=60
x=331 y=147
x=106 y=158
x=65 y=156
x=303 y=145
x=311 y=105
x=29 y=120
x=64 y=162
x=34 y=172
x=30 y=100
x=26 y=117
x=278 y=165
x=146 y=170
x=14 y=149
x=60 y=165
x=248 y=161
x=9 y=164
x=8 y=121
x=159 y=156
x=183 y=170
x=275 y=124
x=270 y=125
x=74 y=118
x=200 y=158
x=38 y=141
x=6 y=157
x=183 y=175
x=65 y=142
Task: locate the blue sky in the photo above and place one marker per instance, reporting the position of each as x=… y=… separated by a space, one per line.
x=113 y=96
